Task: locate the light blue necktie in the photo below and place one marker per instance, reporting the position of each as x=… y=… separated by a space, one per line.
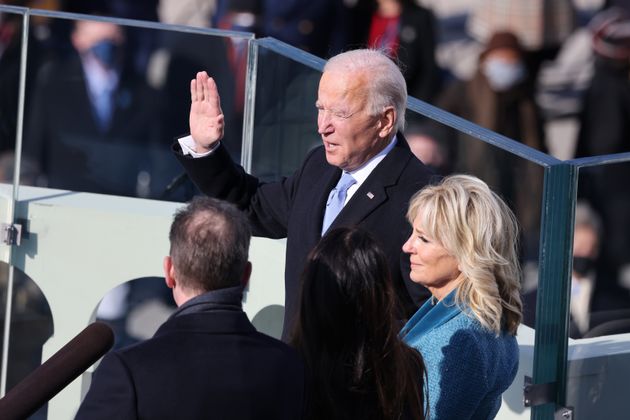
x=103 y=105
x=336 y=200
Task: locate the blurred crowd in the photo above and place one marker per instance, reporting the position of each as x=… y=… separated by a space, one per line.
x=104 y=101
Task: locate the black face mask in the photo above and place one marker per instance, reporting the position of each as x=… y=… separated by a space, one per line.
x=583 y=265
x=107 y=52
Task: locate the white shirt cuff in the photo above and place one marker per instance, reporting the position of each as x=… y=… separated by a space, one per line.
x=188 y=147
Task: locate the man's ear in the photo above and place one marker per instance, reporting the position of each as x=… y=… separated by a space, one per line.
x=387 y=121
x=169 y=272
x=247 y=273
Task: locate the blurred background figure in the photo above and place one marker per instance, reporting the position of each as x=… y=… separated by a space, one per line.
x=596 y=296
x=540 y=25
x=39 y=43
x=186 y=12
x=139 y=44
x=318 y=27
x=605 y=129
x=180 y=55
x=605 y=117
x=427 y=143
x=10 y=46
x=500 y=98
x=92 y=119
x=407 y=32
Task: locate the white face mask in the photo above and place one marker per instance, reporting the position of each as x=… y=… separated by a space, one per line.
x=502 y=75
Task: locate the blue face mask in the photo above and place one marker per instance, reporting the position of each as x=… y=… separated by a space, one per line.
x=107 y=52
x=502 y=75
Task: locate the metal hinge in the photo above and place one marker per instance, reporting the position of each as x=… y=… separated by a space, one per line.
x=11 y=234
x=538 y=394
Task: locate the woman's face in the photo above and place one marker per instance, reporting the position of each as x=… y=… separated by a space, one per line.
x=431 y=264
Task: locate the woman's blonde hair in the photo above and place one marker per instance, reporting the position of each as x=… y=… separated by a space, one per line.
x=475 y=226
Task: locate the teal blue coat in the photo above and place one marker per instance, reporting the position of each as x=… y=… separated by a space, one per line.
x=468 y=366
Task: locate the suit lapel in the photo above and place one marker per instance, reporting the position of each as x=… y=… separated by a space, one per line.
x=373 y=192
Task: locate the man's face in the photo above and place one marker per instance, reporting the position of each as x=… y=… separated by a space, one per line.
x=350 y=135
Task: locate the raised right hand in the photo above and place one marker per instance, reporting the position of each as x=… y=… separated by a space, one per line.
x=206 y=118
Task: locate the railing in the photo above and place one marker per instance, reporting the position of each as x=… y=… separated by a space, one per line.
x=103 y=216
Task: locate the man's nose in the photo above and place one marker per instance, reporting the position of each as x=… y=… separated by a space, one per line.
x=324 y=123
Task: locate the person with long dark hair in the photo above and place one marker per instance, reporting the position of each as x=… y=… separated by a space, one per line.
x=347 y=333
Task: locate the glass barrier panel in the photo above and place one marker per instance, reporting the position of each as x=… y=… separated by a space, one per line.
x=285 y=120
x=31 y=326
x=11 y=24
x=106 y=100
x=601 y=250
x=599 y=357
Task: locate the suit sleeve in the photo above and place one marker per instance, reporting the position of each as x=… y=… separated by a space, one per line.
x=267 y=205
x=112 y=394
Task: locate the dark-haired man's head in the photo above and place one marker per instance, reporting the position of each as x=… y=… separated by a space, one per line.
x=209 y=248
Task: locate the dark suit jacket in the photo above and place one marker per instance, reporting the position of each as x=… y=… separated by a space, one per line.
x=294 y=208
x=210 y=364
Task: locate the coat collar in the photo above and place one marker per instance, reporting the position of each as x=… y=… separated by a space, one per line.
x=216 y=312
x=432 y=315
x=226 y=298
x=373 y=192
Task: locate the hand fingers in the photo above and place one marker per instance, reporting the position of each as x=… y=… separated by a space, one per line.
x=202 y=77
x=213 y=97
x=193 y=90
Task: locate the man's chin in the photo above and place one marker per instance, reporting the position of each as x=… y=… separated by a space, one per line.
x=332 y=159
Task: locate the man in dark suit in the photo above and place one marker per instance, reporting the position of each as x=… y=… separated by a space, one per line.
x=361 y=108
x=93 y=121
x=206 y=360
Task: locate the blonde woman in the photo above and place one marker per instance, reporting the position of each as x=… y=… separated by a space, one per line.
x=463 y=248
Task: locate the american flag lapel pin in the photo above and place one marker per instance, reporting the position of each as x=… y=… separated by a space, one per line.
x=370 y=195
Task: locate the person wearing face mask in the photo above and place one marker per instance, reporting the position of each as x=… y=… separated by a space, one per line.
x=593 y=294
x=499 y=97
x=92 y=117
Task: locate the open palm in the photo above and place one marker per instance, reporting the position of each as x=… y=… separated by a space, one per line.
x=206 y=118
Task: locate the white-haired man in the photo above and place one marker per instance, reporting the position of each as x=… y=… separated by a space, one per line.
x=363 y=174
